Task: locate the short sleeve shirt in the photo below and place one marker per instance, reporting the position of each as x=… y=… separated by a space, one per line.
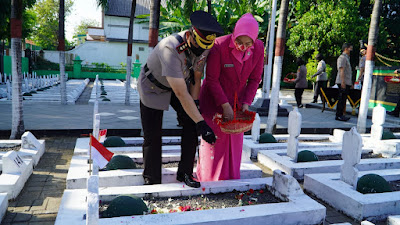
x=344 y=62
x=165 y=61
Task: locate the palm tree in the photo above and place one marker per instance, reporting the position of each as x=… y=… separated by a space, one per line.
x=278 y=60
x=129 y=55
x=369 y=66
x=61 y=49
x=17 y=127
x=154 y=22
x=209 y=6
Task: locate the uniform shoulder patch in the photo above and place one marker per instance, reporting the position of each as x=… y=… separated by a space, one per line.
x=182 y=47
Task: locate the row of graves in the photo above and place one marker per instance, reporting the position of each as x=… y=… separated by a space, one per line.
x=42 y=88
x=113 y=91
x=18 y=158
x=358 y=175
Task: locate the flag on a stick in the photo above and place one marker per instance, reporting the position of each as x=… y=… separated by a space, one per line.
x=102 y=135
x=100 y=154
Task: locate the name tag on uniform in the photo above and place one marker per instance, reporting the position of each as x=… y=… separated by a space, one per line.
x=228 y=65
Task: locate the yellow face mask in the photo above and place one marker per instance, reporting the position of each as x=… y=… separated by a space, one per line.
x=206 y=43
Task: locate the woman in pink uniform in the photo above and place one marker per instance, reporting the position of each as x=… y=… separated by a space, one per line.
x=234 y=65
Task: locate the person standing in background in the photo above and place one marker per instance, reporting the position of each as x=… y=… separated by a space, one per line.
x=300 y=81
x=361 y=65
x=321 y=77
x=343 y=80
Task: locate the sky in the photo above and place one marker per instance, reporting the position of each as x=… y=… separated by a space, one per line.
x=81 y=10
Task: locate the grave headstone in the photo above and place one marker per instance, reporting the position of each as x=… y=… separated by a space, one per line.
x=351 y=155
x=1 y=79
x=294 y=128
x=378 y=119
x=284 y=185
x=13 y=163
x=92 y=211
x=255 y=130
x=29 y=141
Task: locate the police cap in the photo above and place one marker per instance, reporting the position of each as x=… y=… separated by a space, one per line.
x=205 y=29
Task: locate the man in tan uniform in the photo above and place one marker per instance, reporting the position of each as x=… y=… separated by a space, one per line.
x=343 y=80
x=172 y=76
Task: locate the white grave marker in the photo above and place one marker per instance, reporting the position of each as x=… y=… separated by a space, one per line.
x=351 y=154
x=8 y=90
x=378 y=119
x=13 y=163
x=92 y=211
x=29 y=141
x=294 y=128
x=255 y=130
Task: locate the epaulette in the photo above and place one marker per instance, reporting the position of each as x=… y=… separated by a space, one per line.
x=182 y=47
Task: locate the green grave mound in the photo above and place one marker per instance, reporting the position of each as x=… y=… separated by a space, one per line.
x=387 y=134
x=106 y=100
x=40 y=89
x=114 y=141
x=33 y=92
x=306 y=156
x=27 y=94
x=125 y=205
x=373 y=183
x=267 y=138
x=118 y=162
x=103 y=93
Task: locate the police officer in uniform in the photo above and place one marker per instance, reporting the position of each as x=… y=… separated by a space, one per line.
x=172 y=76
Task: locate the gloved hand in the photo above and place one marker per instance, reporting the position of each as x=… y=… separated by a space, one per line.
x=206 y=132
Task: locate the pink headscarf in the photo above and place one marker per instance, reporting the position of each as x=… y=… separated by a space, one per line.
x=245 y=26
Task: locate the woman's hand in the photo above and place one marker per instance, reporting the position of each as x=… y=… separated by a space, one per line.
x=245 y=107
x=227 y=112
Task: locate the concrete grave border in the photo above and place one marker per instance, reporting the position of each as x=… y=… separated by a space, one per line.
x=329 y=188
x=299 y=209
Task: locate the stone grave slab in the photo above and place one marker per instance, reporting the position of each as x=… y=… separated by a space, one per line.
x=298 y=208
x=393 y=220
x=76 y=178
x=343 y=197
x=3 y=205
x=16 y=171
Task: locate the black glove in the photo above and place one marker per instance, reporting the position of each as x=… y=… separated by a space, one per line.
x=206 y=132
x=197 y=102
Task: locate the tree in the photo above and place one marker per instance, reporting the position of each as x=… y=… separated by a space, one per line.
x=83 y=27
x=369 y=66
x=45 y=33
x=129 y=55
x=279 y=52
x=61 y=49
x=17 y=127
x=154 y=22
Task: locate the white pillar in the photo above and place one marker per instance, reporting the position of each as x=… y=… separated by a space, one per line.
x=8 y=90
x=351 y=155
x=255 y=130
x=294 y=129
x=378 y=119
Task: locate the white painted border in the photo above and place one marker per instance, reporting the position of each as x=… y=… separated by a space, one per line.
x=3 y=205
x=329 y=188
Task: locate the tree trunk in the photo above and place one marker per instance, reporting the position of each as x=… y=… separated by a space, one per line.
x=17 y=128
x=129 y=55
x=154 y=23
x=61 y=49
x=278 y=60
x=209 y=7
x=369 y=66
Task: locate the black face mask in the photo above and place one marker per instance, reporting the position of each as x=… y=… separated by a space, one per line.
x=197 y=51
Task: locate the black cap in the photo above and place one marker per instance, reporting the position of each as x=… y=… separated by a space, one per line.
x=206 y=23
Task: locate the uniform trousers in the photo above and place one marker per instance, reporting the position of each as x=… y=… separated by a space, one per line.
x=152 y=131
x=317 y=90
x=343 y=92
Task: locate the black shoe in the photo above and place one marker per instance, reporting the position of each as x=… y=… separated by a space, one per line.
x=188 y=179
x=393 y=113
x=315 y=101
x=342 y=118
x=300 y=106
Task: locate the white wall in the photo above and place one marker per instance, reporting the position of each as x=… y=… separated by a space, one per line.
x=54 y=56
x=112 y=53
x=117 y=27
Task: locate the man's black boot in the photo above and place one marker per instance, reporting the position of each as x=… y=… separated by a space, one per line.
x=188 y=179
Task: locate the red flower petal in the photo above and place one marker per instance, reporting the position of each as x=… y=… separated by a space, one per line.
x=261 y=191
x=251 y=191
x=204 y=189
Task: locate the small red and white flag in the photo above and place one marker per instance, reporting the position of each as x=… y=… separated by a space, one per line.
x=102 y=135
x=100 y=154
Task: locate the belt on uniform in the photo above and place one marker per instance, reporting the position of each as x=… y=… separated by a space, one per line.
x=153 y=80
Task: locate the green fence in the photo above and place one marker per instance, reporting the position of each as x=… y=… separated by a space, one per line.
x=7 y=64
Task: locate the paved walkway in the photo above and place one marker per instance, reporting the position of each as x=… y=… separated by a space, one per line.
x=50 y=119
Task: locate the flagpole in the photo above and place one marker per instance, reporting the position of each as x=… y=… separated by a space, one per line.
x=90 y=155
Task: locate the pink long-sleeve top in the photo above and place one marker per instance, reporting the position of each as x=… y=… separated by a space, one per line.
x=225 y=75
